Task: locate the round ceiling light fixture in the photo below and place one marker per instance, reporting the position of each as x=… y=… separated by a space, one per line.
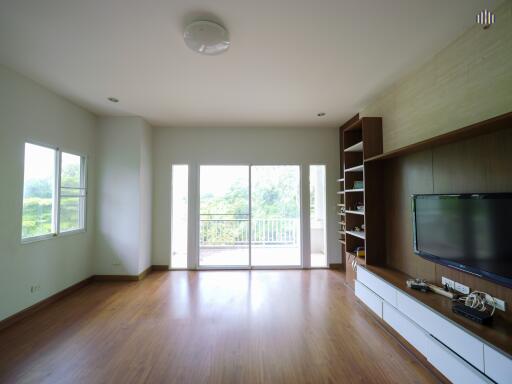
x=113 y=99
x=206 y=38
x=321 y=114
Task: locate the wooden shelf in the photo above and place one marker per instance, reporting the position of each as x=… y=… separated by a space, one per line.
x=340 y=180
x=358 y=168
x=341 y=241
x=355 y=212
x=487 y=126
x=341 y=214
x=355 y=190
x=360 y=234
x=340 y=192
x=358 y=147
x=341 y=232
x=340 y=205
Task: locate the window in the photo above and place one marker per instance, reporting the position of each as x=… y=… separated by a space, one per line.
x=39 y=191
x=52 y=205
x=72 y=193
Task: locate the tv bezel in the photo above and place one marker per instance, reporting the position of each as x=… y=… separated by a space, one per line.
x=498 y=279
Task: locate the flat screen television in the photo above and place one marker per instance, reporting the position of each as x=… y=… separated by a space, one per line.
x=469 y=232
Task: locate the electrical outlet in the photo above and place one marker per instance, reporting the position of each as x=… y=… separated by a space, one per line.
x=500 y=304
x=461 y=288
x=448 y=282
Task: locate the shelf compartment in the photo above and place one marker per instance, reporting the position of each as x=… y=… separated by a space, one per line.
x=358 y=168
x=355 y=212
x=360 y=234
x=358 y=147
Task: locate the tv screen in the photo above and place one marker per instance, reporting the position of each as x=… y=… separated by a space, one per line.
x=470 y=232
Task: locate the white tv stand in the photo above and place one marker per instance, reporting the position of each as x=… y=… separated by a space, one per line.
x=459 y=355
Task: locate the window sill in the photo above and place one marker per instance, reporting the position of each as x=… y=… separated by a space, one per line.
x=50 y=236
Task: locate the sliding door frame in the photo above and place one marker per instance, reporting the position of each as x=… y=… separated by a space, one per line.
x=197 y=219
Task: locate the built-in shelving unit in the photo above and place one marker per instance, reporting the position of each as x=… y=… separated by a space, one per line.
x=360 y=139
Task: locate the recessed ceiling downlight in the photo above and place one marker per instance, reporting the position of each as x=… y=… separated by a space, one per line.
x=206 y=38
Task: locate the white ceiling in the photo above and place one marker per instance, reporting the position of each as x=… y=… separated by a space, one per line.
x=289 y=59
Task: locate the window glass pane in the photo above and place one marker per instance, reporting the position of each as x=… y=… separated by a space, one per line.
x=70 y=211
x=317 y=215
x=70 y=170
x=38 y=191
x=179 y=225
x=72 y=193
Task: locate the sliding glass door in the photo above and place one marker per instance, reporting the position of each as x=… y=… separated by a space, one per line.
x=275 y=216
x=224 y=216
x=249 y=216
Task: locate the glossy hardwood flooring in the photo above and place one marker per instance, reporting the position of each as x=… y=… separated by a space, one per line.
x=208 y=327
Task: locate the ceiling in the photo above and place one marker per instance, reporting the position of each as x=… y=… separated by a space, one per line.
x=289 y=59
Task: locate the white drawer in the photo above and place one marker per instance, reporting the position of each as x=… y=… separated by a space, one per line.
x=497 y=366
x=411 y=332
x=452 y=366
x=377 y=285
x=373 y=301
x=454 y=337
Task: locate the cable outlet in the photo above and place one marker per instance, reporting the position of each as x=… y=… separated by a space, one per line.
x=461 y=288
x=448 y=282
x=500 y=304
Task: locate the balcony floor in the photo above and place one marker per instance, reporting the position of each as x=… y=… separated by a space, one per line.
x=261 y=256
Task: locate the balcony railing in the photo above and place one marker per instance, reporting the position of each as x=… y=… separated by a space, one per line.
x=216 y=232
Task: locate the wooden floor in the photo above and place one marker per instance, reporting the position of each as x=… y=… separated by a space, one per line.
x=208 y=327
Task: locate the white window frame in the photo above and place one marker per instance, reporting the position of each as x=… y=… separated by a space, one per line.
x=56 y=232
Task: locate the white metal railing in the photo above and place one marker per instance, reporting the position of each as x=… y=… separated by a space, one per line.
x=235 y=232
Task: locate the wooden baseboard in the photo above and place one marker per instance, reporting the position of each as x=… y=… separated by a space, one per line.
x=336 y=266
x=159 y=267
x=138 y=277
x=43 y=303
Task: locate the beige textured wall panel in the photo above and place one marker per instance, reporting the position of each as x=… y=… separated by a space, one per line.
x=468 y=81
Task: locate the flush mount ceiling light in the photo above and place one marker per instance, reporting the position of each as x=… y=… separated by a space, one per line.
x=321 y=114
x=113 y=99
x=206 y=38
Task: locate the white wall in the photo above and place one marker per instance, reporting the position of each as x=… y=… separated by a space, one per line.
x=30 y=112
x=124 y=196
x=301 y=146
x=146 y=197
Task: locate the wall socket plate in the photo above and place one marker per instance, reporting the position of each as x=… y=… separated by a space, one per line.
x=500 y=304
x=462 y=288
x=448 y=282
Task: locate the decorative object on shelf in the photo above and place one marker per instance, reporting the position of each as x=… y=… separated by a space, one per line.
x=357 y=229
x=360 y=207
x=360 y=252
x=363 y=227
x=358 y=184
